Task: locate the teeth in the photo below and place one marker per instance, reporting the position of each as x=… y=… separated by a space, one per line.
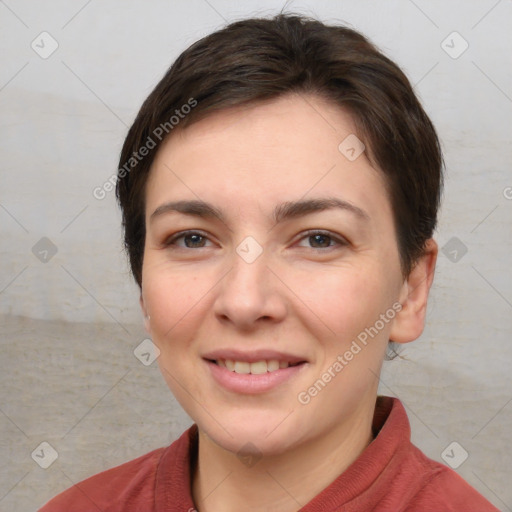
x=241 y=367
x=257 y=368
x=272 y=365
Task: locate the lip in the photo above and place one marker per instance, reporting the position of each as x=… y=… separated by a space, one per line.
x=253 y=356
x=248 y=383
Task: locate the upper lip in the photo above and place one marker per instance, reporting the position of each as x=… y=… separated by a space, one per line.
x=253 y=356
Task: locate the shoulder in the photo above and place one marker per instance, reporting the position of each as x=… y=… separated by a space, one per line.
x=440 y=486
x=127 y=487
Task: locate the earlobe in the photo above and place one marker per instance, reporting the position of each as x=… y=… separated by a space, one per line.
x=147 y=318
x=410 y=321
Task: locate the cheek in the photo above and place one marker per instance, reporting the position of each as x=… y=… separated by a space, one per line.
x=346 y=300
x=177 y=301
x=173 y=297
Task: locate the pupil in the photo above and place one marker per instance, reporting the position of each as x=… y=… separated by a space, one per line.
x=195 y=239
x=319 y=238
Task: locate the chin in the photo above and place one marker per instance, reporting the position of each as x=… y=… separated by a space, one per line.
x=262 y=432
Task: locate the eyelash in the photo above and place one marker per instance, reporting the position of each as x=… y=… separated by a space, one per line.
x=339 y=240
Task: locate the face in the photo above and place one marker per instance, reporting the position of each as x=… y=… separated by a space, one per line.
x=291 y=261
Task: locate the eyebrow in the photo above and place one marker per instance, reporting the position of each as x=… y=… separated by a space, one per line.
x=282 y=212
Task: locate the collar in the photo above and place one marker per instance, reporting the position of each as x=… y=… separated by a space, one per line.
x=391 y=431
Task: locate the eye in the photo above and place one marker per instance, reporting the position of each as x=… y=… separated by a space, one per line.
x=323 y=239
x=197 y=240
x=192 y=240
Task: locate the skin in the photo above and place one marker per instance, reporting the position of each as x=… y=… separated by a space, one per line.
x=303 y=295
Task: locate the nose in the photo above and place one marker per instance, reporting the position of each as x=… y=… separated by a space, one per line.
x=250 y=294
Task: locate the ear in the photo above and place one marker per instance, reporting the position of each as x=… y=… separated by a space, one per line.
x=409 y=323
x=147 y=325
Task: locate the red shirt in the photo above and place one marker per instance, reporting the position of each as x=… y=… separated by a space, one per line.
x=390 y=475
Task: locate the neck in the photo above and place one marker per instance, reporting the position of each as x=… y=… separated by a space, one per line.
x=277 y=482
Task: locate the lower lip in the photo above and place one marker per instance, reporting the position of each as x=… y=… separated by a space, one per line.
x=252 y=384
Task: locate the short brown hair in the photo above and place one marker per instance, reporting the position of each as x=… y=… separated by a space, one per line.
x=263 y=58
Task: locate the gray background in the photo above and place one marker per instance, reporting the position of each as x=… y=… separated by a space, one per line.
x=70 y=320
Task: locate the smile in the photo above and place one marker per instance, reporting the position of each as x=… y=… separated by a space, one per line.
x=253 y=377
x=256 y=368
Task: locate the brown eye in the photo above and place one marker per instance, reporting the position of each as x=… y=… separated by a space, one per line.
x=194 y=239
x=191 y=239
x=323 y=240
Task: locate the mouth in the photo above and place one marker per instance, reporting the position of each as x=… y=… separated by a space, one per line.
x=255 y=368
x=253 y=372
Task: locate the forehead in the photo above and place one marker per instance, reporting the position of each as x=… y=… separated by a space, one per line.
x=264 y=153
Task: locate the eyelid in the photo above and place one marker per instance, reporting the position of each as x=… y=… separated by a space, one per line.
x=339 y=239
x=180 y=234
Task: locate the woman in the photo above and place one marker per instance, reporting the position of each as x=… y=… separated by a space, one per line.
x=279 y=190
